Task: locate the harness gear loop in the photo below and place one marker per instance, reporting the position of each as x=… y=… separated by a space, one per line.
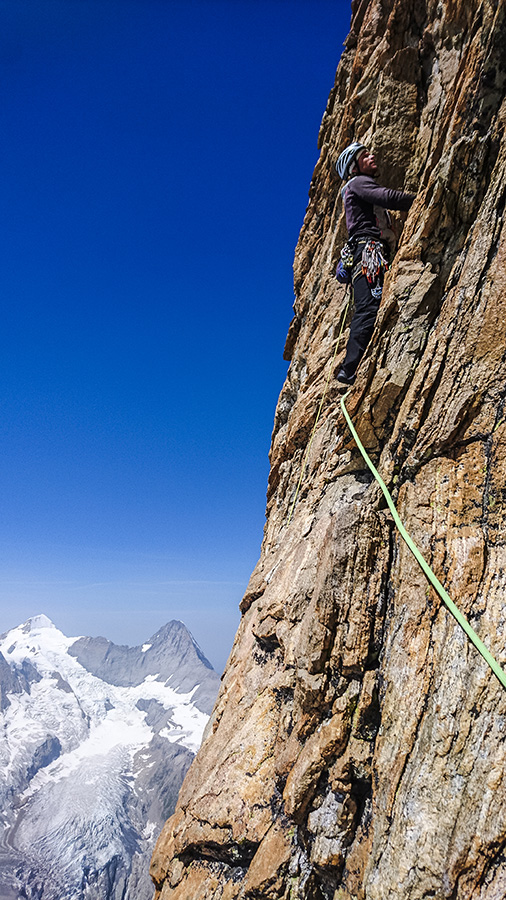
x=373 y=260
x=461 y=619
x=308 y=448
x=373 y=263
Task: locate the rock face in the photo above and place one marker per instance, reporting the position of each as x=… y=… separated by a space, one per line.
x=96 y=740
x=357 y=748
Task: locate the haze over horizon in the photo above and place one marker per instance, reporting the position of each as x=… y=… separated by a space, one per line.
x=155 y=166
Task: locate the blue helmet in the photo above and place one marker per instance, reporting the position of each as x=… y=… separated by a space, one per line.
x=348 y=157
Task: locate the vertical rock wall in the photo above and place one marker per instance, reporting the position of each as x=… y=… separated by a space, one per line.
x=358 y=745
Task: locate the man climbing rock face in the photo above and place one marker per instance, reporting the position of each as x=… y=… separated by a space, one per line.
x=370 y=245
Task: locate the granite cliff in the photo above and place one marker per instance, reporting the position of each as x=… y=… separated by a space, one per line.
x=357 y=748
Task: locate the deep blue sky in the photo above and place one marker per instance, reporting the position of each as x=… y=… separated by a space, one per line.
x=155 y=159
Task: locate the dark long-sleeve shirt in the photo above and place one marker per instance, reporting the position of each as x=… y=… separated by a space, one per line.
x=360 y=195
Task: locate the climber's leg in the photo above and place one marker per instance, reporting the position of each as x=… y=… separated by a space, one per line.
x=361 y=328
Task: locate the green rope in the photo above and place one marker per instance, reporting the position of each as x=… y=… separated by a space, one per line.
x=308 y=448
x=464 y=624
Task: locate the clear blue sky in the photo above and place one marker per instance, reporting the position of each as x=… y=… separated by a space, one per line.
x=155 y=161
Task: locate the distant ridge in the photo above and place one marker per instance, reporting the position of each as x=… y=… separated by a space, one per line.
x=171 y=653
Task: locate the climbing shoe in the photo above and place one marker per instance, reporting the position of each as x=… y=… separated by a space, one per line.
x=344 y=378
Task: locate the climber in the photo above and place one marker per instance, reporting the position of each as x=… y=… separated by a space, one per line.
x=370 y=245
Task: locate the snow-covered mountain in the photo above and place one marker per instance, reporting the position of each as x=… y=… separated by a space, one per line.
x=96 y=739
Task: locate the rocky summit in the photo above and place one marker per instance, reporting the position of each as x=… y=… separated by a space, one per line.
x=96 y=740
x=357 y=748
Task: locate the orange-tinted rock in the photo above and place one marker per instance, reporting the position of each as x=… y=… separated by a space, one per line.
x=358 y=745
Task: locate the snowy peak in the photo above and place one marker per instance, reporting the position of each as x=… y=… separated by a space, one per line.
x=33 y=626
x=37 y=642
x=171 y=656
x=35 y=623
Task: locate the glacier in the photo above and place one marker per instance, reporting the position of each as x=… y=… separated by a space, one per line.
x=96 y=740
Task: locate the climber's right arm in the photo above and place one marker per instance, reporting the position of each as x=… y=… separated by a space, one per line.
x=367 y=189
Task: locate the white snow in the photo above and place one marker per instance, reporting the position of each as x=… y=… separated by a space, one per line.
x=103 y=747
x=90 y=720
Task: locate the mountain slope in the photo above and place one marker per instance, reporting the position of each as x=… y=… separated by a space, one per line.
x=93 y=753
x=357 y=746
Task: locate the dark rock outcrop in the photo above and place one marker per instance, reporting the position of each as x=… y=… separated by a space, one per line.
x=9 y=683
x=43 y=755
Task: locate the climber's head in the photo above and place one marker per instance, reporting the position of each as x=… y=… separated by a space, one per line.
x=356 y=159
x=366 y=163
x=346 y=165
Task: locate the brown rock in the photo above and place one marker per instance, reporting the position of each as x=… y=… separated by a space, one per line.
x=358 y=745
x=268 y=867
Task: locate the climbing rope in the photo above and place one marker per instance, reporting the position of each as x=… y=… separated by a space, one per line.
x=460 y=618
x=308 y=448
x=462 y=621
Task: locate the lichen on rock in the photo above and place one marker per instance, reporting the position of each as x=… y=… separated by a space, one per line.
x=358 y=744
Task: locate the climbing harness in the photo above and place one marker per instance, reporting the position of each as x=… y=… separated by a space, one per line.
x=308 y=448
x=462 y=621
x=374 y=263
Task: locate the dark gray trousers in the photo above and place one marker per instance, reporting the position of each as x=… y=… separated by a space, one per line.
x=364 y=316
